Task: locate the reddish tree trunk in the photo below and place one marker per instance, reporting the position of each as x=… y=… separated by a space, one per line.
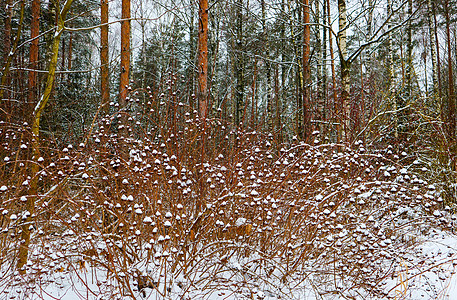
x=7 y=47
x=104 y=59
x=202 y=62
x=125 y=52
x=306 y=71
x=451 y=97
x=70 y=51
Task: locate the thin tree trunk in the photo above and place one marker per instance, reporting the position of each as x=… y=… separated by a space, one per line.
x=104 y=57
x=63 y=62
x=278 y=106
x=320 y=63
x=33 y=52
x=266 y=48
x=306 y=71
x=125 y=53
x=7 y=29
x=391 y=75
x=332 y=67
x=402 y=115
x=438 y=63
x=409 y=52
x=191 y=72
x=451 y=97
x=345 y=67
x=12 y=51
x=39 y=108
x=282 y=99
x=70 y=57
x=202 y=62
x=239 y=65
x=324 y=66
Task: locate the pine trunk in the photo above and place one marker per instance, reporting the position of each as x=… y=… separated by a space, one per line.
x=320 y=64
x=125 y=53
x=266 y=47
x=306 y=72
x=451 y=97
x=6 y=79
x=104 y=57
x=202 y=62
x=431 y=30
x=239 y=65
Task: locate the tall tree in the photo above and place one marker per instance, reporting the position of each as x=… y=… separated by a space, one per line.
x=12 y=49
x=37 y=113
x=125 y=52
x=451 y=97
x=33 y=54
x=104 y=56
x=431 y=28
x=306 y=71
x=332 y=60
x=345 y=68
x=267 y=63
x=202 y=62
x=239 y=64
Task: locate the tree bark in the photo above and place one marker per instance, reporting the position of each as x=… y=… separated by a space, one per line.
x=33 y=53
x=345 y=68
x=324 y=66
x=191 y=72
x=306 y=72
x=239 y=66
x=125 y=53
x=391 y=75
x=332 y=66
x=104 y=57
x=451 y=97
x=202 y=62
x=431 y=30
x=266 y=48
x=12 y=51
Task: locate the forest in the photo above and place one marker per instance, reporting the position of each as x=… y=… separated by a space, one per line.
x=228 y=149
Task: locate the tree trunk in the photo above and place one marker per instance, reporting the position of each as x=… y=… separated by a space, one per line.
x=266 y=48
x=70 y=52
x=318 y=50
x=191 y=72
x=324 y=67
x=5 y=80
x=332 y=67
x=431 y=30
x=239 y=65
x=390 y=66
x=345 y=67
x=202 y=62
x=33 y=53
x=39 y=108
x=306 y=72
x=451 y=97
x=438 y=65
x=104 y=57
x=125 y=53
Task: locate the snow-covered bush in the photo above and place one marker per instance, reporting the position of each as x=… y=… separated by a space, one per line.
x=202 y=210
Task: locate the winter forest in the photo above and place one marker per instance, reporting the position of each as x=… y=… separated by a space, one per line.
x=228 y=149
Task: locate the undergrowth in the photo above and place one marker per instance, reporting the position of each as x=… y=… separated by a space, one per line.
x=145 y=207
